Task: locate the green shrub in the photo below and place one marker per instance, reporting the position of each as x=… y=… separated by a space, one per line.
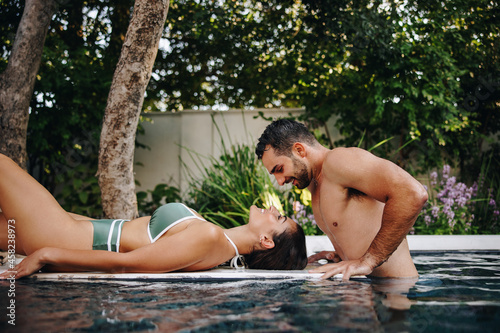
x=79 y=190
x=229 y=186
x=148 y=201
x=455 y=208
x=302 y=212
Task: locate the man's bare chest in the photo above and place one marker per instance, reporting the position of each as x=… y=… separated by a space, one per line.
x=329 y=208
x=337 y=212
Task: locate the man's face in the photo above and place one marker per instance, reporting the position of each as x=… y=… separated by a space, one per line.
x=287 y=170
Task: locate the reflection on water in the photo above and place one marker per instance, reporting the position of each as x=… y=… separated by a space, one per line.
x=456 y=292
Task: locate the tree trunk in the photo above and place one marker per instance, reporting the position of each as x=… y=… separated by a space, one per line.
x=18 y=80
x=126 y=96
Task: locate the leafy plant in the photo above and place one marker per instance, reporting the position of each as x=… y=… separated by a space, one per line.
x=229 y=186
x=453 y=207
x=80 y=193
x=148 y=201
x=487 y=211
x=302 y=212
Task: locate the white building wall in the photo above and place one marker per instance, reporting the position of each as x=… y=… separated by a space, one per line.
x=167 y=133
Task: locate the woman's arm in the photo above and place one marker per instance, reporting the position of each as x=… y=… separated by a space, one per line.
x=70 y=259
x=176 y=252
x=79 y=217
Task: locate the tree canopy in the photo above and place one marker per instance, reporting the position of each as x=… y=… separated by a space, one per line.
x=426 y=71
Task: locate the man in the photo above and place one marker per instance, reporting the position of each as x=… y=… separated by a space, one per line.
x=364 y=204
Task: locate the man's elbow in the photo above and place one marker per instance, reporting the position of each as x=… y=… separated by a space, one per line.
x=420 y=196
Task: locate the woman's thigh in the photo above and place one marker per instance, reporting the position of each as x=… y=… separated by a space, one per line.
x=8 y=236
x=38 y=218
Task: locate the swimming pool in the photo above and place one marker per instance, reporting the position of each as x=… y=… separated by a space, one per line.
x=456 y=291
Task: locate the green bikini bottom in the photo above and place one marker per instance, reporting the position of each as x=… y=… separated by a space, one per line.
x=107 y=234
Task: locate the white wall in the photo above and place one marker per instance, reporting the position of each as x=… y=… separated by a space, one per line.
x=167 y=133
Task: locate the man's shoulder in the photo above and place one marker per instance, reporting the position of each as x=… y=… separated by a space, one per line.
x=347 y=150
x=337 y=157
x=343 y=167
x=334 y=165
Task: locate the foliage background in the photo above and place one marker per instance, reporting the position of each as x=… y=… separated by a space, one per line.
x=420 y=71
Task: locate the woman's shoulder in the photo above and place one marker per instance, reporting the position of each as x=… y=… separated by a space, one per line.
x=206 y=235
x=208 y=229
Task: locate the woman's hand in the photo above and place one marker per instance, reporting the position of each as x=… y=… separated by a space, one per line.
x=29 y=265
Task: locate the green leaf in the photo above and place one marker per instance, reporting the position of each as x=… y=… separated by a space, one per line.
x=84 y=196
x=77 y=183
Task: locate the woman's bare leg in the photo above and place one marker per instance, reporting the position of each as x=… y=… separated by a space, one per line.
x=38 y=219
x=4 y=236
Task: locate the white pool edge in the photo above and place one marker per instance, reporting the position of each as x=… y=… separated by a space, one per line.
x=313 y=243
x=424 y=243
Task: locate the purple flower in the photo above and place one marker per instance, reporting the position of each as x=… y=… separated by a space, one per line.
x=451 y=181
x=474 y=189
x=434 y=176
x=441 y=194
x=446 y=171
x=435 y=211
x=468 y=224
x=461 y=187
x=448 y=203
x=461 y=201
x=451 y=214
x=454 y=202
x=451 y=221
x=468 y=194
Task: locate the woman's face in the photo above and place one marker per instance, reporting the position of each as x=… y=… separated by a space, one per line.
x=269 y=220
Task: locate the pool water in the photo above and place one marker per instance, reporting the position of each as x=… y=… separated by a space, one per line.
x=456 y=292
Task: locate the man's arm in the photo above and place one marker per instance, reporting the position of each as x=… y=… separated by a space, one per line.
x=384 y=181
x=328 y=255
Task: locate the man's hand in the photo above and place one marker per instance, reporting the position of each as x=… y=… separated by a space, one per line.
x=328 y=255
x=346 y=268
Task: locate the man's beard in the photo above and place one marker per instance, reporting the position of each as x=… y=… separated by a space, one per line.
x=301 y=174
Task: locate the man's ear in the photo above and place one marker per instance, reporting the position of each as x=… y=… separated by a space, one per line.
x=299 y=149
x=266 y=242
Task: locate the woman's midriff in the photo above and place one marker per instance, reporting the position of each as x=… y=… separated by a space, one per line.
x=135 y=234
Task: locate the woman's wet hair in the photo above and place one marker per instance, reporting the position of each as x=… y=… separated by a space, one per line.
x=288 y=253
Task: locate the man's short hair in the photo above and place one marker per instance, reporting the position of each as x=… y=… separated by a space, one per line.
x=281 y=134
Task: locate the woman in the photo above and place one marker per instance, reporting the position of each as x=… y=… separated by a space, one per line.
x=175 y=238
